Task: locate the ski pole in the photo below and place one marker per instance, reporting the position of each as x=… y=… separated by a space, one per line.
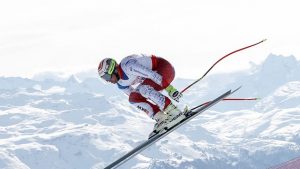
x=219 y=61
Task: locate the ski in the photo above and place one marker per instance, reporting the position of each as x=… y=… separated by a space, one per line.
x=190 y=115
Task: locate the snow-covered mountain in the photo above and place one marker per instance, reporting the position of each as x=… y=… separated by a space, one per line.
x=50 y=122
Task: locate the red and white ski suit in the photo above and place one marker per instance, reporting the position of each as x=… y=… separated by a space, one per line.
x=142 y=77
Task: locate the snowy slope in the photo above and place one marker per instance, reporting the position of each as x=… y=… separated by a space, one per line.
x=80 y=122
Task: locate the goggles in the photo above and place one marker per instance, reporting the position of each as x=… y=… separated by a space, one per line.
x=106 y=77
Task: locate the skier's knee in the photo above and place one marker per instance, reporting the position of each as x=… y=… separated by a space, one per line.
x=145 y=90
x=135 y=97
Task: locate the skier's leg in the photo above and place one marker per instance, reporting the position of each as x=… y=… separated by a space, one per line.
x=147 y=91
x=141 y=103
x=163 y=102
x=163 y=120
x=150 y=90
x=165 y=69
x=152 y=110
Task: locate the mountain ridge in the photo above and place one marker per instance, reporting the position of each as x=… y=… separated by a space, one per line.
x=87 y=123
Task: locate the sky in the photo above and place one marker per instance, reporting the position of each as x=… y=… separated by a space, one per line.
x=72 y=35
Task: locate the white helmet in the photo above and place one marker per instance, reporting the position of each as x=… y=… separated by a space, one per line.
x=106 y=68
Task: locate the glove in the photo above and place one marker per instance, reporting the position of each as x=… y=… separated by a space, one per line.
x=157 y=78
x=174 y=93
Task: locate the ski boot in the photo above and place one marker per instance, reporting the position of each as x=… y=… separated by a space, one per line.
x=165 y=120
x=161 y=121
x=174 y=115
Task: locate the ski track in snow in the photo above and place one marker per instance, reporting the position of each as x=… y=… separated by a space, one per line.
x=71 y=124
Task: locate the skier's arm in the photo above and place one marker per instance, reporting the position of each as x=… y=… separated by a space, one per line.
x=126 y=89
x=134 y=68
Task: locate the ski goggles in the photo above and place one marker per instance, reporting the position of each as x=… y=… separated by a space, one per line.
x=106 y=77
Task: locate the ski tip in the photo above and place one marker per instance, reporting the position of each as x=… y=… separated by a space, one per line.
x=264 y=40
x=233 y=91
x=237 y=89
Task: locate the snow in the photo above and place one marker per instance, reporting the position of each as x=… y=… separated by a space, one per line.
x=80 y=122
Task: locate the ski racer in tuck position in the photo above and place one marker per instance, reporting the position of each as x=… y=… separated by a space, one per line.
x=143 y=78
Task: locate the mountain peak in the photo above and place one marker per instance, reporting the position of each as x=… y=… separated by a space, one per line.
x=282 y=67
x=73 y=79
x=279 y=59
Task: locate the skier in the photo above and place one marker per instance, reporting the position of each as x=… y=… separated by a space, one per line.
x=143 y=78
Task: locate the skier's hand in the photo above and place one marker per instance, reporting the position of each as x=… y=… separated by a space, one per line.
x=174 y=93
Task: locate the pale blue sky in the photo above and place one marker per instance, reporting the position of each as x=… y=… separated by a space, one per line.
x=73 y=35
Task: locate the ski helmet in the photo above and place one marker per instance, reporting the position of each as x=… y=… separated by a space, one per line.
x=106 y=68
